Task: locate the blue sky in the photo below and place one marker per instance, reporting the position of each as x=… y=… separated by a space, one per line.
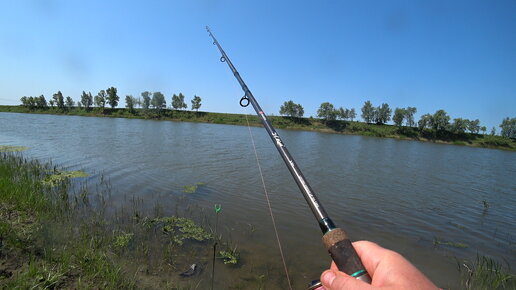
x=459 y=56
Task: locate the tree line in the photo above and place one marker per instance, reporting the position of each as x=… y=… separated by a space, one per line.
x=438 y=122
x=148 y=100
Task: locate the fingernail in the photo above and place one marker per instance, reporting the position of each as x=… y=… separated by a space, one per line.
x=328 y=277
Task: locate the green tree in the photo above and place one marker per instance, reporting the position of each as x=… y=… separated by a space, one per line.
x=28 y=102
x=292 y=109
x=146 y=99
x=100 y=99
x=32 y=102
x=409 y=116
x=508 y=128
x=327 y=112
x=178 y=102
x=346 y=114
x=483 y=129
x=376 y=115
x=493 y=131
x=24 y=100
x=51 y=103
x=112 y=97
x=352 y=114
x=59 y=100
x=129 y=103
x=383 y=114
x=342 y=113
x=474 y=126
x=158 y=101
x=86 y=100
x=368 y=112
x=459 y=125
x=196 y=103
x=69 y=102
x=440 y=120
x=399 y=115
x=41 y=102
x=424 y=122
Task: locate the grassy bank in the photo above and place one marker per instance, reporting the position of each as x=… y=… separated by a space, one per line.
x=307 y=124
x=30 y=210
x=52 y=237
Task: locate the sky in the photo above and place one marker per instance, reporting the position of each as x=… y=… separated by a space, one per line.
x=459 y=56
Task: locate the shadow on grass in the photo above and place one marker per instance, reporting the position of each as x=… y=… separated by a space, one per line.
x=338 y=126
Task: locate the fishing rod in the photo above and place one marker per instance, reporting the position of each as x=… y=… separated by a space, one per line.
x=334 y=239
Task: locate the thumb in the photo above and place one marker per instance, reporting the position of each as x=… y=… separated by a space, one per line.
x=335 y=280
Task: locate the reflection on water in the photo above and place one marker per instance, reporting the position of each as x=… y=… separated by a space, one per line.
x=401 y=194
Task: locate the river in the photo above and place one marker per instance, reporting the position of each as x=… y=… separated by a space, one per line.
x=404 y=195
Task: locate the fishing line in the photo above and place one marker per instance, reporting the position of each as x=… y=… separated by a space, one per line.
x=269 y=204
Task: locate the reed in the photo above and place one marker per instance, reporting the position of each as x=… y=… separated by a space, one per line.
x=485 y=273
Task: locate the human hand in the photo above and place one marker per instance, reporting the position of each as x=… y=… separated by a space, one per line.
x=388 y=270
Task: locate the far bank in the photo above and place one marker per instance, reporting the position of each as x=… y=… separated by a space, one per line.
x=291 y=123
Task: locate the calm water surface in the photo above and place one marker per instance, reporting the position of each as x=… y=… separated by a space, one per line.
x=401 y=194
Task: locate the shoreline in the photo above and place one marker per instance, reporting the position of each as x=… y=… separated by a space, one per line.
x=289 y=123
x=54 y=237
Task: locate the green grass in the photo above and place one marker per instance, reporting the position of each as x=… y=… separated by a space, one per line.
x=32 y=260
x=485 y=274
x=308 y=124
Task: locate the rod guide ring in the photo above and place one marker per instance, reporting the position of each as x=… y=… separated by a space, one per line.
x=244 y=101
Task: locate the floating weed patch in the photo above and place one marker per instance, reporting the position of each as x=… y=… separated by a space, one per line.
x=180 y=229
x=438 y=242
x=7 y=148
x=192 y=188
x=59 y=176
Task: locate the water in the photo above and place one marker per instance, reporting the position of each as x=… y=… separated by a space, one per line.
x=403 y=195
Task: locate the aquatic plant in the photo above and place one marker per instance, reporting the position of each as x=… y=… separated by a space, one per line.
x=230 y=256
x=7 y=148
x=179 y=229
x=60 y=175
x=122 y=241
x=438 y=241
x=485 y=273
x=252 y=228
x=461 y=227
x=192 y=188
